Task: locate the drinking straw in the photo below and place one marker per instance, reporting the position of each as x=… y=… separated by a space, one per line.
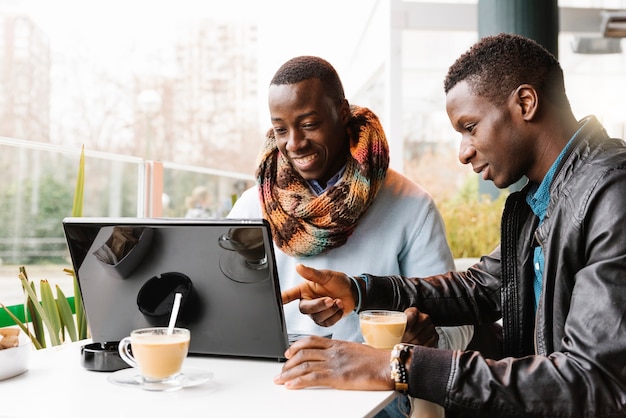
x=175 y=308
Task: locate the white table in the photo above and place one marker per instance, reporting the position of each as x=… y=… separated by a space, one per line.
x=56 y=385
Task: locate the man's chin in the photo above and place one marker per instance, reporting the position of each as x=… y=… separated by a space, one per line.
x=309 y=175
x=504 y=184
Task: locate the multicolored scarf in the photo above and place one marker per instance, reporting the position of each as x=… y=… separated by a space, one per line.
x=304 y=224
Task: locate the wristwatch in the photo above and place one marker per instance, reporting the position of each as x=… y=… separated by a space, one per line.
x=399 y=355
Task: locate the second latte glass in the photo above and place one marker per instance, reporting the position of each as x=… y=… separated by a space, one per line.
x=382 y=329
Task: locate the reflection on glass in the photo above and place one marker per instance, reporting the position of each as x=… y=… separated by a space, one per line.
x=248 y=243
x=124 y=250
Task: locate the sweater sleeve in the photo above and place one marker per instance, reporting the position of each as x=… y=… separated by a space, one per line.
x=455 y=338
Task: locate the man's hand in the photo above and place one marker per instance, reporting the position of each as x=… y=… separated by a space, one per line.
x=317 y=361
x=419 y=329
x=325 y=295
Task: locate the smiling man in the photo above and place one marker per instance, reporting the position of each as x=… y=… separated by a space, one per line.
x=325 y=186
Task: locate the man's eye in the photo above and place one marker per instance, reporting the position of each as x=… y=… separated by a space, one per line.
x=470 y=128
x=279 y=131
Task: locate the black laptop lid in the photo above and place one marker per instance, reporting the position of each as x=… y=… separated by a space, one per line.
x=129 y=270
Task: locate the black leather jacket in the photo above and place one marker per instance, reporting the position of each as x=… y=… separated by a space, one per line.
x=570 y=359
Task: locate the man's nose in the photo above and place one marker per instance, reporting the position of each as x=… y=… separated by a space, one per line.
x=466 y=150
x=295 y=141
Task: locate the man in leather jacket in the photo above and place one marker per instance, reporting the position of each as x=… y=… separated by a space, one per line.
x=557 y=281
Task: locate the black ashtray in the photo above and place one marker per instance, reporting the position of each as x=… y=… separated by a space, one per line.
x=102 y=357
x=156 y=298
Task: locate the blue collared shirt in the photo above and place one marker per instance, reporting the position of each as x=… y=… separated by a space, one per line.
x=317 y=188
x=538 y=198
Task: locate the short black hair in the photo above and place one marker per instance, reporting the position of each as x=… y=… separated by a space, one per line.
x=306 y=67
x=498 y=64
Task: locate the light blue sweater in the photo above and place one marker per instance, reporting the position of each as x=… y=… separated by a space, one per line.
x=401 y=233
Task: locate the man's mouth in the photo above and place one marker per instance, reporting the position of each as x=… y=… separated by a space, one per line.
x=484 y=170
x=303 y=161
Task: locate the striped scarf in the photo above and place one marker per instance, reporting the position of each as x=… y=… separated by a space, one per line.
x=304 y=224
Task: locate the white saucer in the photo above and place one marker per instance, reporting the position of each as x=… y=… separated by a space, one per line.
x=187 y=378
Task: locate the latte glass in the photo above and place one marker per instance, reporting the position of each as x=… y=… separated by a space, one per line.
x=158 y=356
x=382 y=329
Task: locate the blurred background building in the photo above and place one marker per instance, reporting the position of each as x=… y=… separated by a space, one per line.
x=24 y=79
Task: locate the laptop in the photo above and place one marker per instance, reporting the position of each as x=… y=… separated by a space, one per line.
x=130 y=269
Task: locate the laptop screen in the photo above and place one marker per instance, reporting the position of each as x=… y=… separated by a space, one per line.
x=129 y=270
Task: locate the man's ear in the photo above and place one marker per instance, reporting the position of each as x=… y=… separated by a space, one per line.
x=526 y=101
x=345 y=111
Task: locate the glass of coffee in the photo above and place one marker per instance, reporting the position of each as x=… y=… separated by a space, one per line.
x=382 y=329
x=248 y=243
x=157 y=355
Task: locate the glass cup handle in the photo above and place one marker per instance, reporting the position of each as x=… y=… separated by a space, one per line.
x=122 y=348
x=224 y=242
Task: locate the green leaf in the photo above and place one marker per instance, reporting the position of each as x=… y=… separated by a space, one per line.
x=77 y=206
x=35 y=320
x=79 y=309
x=81 y=317
x=77 y=211
x=35 y=311
x=49 y=305
x=31 y=306
x=65 y=313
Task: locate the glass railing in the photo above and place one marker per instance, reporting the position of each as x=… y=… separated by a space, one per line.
x=37 y=192
x=180 y=182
